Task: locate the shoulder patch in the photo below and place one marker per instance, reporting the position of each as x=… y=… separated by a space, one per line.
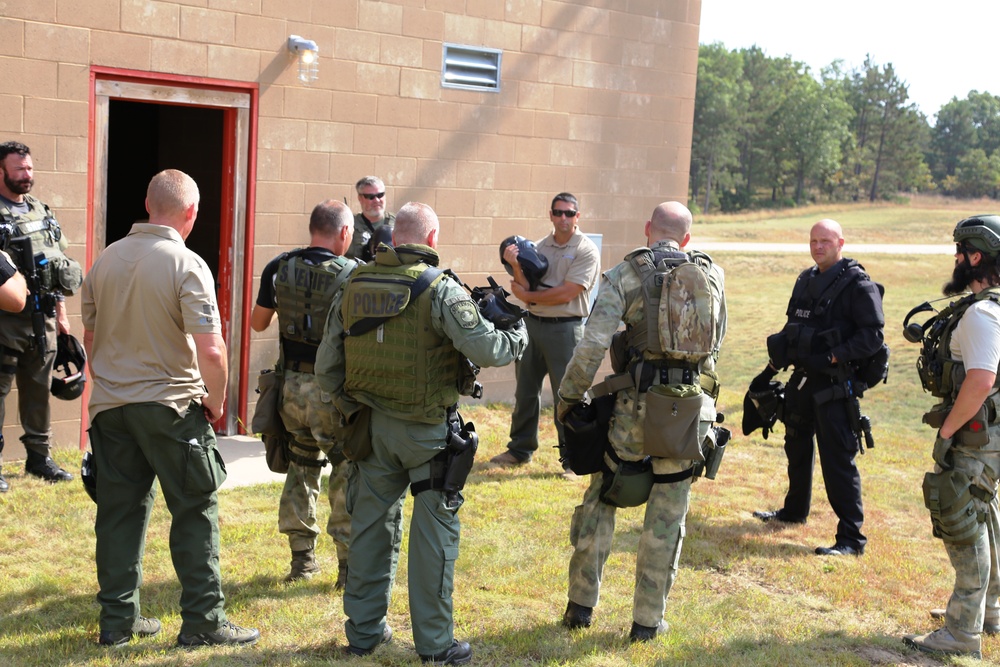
x=466 y=313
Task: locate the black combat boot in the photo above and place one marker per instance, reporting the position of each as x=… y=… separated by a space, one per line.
x=645 y=633
x=45 y=468
x=577 y=616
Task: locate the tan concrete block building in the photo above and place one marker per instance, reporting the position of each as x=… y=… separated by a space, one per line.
x=587 y=96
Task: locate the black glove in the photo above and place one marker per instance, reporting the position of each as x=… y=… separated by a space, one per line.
x=760 y=383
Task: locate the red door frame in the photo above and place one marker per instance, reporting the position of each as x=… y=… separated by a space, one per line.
x=230 y=144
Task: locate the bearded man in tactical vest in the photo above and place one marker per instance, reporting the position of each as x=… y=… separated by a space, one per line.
x=959 y=365
x=298 y=287
x=835 y=324
x=648 y=461
x=393 y=343
x=25 y=353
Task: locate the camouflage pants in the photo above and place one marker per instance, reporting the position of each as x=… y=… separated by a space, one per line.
x=309 y=419
x=975 y=599
x=593 y=525
x=658 y=556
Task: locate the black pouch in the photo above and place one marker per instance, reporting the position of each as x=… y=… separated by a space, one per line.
x=586 y=432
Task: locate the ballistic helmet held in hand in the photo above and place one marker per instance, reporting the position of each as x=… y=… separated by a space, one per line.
x=69 y=352
x=982 y=232
x=763 y=407
x=533 y=264
x=494 y=306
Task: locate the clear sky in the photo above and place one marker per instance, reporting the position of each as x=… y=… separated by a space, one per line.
x=941 y=49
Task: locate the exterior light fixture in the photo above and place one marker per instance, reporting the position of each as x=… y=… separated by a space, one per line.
x=307 y=54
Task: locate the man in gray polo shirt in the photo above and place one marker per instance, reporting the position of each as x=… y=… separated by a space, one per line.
x=555 y=322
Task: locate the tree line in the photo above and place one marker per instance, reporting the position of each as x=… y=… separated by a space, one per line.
x=767 y=133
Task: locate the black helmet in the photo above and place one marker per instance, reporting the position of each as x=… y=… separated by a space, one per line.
x=69 y=351
x=88 y=475
x=532 y=262
x=495 y=307
x=982 y=232
x=763 y=405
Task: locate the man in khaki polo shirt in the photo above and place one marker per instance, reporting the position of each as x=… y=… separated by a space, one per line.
x=158 y=363
x=555 y=323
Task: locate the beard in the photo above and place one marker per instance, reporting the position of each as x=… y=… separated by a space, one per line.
x=18 y=187
x=961 y=277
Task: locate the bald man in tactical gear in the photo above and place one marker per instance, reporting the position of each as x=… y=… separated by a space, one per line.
x=407 y=370
x=835 y=320
x=621 y=299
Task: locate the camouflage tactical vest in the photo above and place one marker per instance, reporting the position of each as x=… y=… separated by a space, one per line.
x=402 y=366
x=303 y=292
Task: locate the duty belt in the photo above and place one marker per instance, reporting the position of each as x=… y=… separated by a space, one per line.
x=307 y=367
x=665 y=478
x=297 y=359
x=554 y=320
x=645 y=373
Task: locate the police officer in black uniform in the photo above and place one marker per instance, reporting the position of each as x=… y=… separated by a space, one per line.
x=835 y=324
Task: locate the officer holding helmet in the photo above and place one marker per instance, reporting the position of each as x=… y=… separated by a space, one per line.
x=21 y=347
x=835 y=323
x=556 y=306
x=961 y=355
x=393 y=342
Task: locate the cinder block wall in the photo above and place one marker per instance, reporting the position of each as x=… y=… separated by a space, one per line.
x=597 y=98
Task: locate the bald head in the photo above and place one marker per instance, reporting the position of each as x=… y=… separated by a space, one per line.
x=671 y=221
x=416 y=223
x=826 y=243
x=172 y=200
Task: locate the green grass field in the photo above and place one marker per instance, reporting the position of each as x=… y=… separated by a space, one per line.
x=747 y=593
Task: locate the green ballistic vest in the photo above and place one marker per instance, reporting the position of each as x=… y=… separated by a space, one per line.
x=402 y=366
x=39 y=225
x=60 y=274
x=303 y=292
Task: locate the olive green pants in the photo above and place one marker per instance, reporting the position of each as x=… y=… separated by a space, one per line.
x=134 y=446
x=401 y=452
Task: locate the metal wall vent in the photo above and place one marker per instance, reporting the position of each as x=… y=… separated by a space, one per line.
x=471 y=67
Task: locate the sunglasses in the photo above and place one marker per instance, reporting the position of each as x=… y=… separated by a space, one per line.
x=374 y=195
x=569 y=213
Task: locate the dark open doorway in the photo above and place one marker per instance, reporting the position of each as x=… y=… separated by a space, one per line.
x=145 y=138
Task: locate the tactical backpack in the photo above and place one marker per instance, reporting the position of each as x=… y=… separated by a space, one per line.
x=678 y=334
x=677 y=296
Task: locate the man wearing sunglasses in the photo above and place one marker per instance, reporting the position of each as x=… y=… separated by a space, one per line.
x=555 y=322
x=371 y=198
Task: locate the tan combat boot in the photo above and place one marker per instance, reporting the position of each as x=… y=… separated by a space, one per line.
x=943 y=642
x=304 y=566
